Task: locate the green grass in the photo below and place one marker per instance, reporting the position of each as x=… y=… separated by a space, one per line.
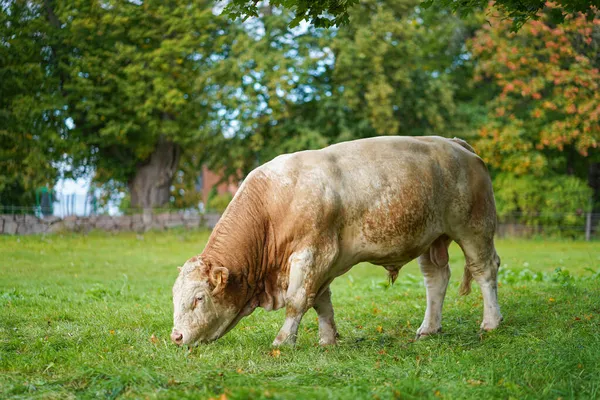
x=90 y=316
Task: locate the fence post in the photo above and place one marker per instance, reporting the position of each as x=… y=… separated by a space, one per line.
x=588 y=226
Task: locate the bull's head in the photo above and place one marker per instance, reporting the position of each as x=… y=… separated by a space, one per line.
x=202 y=310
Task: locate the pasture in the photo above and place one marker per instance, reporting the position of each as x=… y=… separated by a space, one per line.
x=90 y=315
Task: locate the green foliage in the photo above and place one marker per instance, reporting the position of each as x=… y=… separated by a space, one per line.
x=394 y=69
x=185 y=193
x=103 y=87
x=275 y=77
x=558 y=204
x=561 y=276
x=31 y=123
x=310 y=89
x=138 y=73
x=219 y=202
x=322 y=14
x=92 y=318
x=339 y=12
x=125 y=206
x=520 y=11
x=543 y=117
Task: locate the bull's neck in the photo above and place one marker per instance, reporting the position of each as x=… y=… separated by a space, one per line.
x=239 y=242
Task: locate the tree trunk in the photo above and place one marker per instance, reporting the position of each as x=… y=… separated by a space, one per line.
x=151 y=185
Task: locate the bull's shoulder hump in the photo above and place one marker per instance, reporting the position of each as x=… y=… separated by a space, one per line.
x=279 y=169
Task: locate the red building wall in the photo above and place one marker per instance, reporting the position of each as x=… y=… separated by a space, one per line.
x=211 y=179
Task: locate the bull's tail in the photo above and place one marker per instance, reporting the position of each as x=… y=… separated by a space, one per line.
x=465 y=286
x=463 y=144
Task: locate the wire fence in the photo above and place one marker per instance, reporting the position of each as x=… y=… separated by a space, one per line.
x=58 y=205
x=575 y=225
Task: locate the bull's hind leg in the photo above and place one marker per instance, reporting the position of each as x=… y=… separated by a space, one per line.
x=436 y=272
x=324 y=309
x=482 y=263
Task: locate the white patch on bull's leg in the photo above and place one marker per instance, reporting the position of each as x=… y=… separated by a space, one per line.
x=297 y=305
x=486 y=275
x=483 y=263
x=289 y=331
x=436 y=283
x=488 y=282
x=298 y=301
x=324 y=309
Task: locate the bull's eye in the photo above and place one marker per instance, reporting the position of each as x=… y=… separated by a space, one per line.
x=198 y=300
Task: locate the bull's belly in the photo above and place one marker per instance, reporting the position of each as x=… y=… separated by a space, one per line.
x=392 y=253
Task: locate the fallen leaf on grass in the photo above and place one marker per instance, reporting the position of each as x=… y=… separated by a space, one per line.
x=275 y=353
x=239 y=371
x=153 y=339
x=112 y=331
x=474 y=382
x=551 y=300
x=379 y=329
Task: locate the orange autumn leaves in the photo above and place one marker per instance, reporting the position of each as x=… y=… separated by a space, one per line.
x=548 y=90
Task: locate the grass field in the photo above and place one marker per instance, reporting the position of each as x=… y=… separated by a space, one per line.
x=90 y=316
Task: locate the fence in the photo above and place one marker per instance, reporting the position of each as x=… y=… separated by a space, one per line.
x=25 y=224
x=27 y=220
x=59 y=205
x=576 y=225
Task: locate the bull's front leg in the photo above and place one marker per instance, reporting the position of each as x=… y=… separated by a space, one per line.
x=294 y=312
x=324 y=309
x=299 y=298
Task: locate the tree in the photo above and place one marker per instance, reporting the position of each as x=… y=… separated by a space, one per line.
x=138 y=82
x=31 y=121
x=337 y=12
x=521 y=11
x=275 y=72
x=394 y=69
x=388 y=73
x=544 y=117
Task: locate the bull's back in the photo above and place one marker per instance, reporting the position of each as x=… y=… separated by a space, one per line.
x=384 y=198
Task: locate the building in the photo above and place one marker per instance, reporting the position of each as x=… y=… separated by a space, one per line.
x=209 y=179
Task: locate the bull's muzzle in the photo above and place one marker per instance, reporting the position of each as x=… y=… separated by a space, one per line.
x=177 y=337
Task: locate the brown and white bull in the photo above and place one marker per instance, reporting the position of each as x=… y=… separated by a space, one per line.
x=303 y=219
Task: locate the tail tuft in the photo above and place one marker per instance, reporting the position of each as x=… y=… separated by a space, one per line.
x=392 y=275
x=465 y=286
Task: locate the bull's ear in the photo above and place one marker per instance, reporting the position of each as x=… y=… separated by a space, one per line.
x=218 y=277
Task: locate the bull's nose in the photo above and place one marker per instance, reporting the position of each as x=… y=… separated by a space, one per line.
x=176 y=337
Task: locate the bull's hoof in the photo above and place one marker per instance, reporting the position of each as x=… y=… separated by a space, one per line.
x=328 y=337
x=330 y=341
x=283 y=340
x=423 y=332
x=491 y=324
